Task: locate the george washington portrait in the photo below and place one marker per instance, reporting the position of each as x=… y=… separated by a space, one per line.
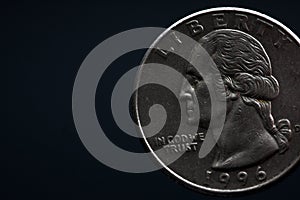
x=250 y=135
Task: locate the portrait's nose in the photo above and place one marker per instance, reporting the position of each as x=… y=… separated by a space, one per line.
x=186 y=91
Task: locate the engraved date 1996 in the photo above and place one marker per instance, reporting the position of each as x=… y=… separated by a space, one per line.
x=242 y=176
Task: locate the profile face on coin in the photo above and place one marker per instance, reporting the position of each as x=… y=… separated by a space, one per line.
x=258 y=61
x=249 y=134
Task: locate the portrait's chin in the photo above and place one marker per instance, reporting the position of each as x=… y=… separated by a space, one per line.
x=196 y=122
x=192 y=121
x=193 y=118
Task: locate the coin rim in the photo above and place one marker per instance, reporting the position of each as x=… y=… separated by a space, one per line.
x=201 y=187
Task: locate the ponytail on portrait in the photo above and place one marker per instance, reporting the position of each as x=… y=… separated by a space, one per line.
x=281 y=132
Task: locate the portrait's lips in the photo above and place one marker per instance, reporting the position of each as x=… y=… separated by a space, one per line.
x=190 y=104
x=190 y=113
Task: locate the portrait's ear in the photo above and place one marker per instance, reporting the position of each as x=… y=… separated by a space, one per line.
x=230 y=95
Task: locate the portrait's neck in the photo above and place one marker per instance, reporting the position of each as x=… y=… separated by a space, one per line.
x=244 y=140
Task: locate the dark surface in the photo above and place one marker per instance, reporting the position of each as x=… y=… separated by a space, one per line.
x=43 y=46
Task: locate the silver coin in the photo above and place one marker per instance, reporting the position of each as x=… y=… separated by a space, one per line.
x=258 y=59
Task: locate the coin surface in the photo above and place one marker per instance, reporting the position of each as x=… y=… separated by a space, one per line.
x=258 y=60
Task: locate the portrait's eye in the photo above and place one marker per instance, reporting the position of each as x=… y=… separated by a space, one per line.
x=193 y=79
x=193 y=76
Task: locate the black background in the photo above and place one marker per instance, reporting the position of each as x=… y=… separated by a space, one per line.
x=43 y=46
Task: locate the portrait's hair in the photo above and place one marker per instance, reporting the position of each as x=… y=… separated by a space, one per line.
x=246 y=69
